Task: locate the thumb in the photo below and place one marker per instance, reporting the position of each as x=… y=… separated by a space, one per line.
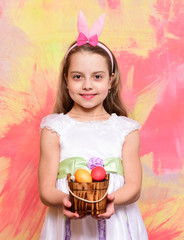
x=110 y=197
x=66 y=202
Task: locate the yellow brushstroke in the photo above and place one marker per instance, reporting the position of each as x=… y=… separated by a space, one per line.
x=129 y=80
x=134 y=26
x=161 y=201
x=48 y=21
x=9 y=234
x=147 y=98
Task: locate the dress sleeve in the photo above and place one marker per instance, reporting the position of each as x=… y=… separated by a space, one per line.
x=128 y=125
x=52 y=123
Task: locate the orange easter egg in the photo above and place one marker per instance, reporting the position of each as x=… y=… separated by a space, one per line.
x=82 y=175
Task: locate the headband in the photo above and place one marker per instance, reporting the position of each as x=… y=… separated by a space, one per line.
x=90 y=37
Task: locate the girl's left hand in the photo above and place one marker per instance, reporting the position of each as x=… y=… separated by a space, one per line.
x=109 y=210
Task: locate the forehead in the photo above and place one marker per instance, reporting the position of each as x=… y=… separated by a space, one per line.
x=88 y=61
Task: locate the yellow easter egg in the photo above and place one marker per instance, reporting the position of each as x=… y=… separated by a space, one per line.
x=82 y=175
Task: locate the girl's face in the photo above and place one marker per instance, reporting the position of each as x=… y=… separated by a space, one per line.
x=88 y=80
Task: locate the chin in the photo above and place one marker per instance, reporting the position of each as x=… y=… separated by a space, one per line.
x=88 y=105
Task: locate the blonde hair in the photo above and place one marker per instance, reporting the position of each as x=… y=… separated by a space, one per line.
x=112 y=103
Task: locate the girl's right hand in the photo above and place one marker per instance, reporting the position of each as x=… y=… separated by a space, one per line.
x=66 y=209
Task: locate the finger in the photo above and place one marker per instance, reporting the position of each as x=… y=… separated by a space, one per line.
x=70 y=214
x=81 y=216
x=109 y=212
x=67 y=203
x=104 y=216
x=95 y=216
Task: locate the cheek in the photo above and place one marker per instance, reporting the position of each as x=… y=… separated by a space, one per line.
x=72 y=88
x=105 y=85
x=104 y=89
x=103 y=93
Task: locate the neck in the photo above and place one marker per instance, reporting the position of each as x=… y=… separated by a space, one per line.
x=91 y=116
x=88 y=115
x=88 y=112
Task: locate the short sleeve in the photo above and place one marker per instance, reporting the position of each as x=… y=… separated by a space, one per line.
x=52 y=123
x=128 y=125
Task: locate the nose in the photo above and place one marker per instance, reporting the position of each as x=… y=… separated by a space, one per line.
x=87 y=84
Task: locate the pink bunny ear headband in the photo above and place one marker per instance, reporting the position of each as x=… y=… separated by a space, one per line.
x=90 y=37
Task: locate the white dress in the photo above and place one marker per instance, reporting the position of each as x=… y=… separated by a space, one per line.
x=89 y=139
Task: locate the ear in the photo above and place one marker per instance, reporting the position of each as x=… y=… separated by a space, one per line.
x=111 y=80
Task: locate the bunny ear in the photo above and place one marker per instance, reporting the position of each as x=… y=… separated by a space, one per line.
x=82 y=24
x=98 y=26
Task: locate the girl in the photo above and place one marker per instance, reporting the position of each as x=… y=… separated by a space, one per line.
x=90 y=122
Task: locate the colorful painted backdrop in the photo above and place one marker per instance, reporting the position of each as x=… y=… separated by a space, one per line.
x=147 y=38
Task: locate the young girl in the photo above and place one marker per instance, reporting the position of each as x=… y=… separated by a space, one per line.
x=89 y=122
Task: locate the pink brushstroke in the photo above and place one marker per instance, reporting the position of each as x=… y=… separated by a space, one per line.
x=170 y=228
x=113 y=4
x=163 y=7
x=159 y=28
x=162 y=133
x=165 y=126
x=2 y=7
x=20 y=196
x=101 y=3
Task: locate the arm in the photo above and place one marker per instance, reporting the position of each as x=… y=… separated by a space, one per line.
x=48 y=167
x=131 y=190
x=47 y=173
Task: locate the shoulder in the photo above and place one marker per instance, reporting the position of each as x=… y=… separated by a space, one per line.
x=127 y=125
x=52 y=122
x=129 y=121
x=50 y=118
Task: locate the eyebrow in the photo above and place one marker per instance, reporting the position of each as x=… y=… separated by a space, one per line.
x=82 y=72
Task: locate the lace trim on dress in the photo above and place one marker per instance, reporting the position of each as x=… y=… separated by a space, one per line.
x=132 y=130
x=50 y=129
x=127 y=126
x=92 y=123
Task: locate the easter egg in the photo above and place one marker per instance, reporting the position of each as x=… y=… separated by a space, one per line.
x=98 y=173
x=82 y=175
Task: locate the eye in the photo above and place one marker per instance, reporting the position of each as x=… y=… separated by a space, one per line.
x=98 y=76
x=77 y=76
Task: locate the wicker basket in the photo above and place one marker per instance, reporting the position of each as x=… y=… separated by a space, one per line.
x=88 y=198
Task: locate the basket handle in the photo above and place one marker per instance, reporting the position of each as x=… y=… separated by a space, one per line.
x=88 y=201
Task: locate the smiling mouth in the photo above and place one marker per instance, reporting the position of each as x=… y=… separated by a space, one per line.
x=88 y=96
